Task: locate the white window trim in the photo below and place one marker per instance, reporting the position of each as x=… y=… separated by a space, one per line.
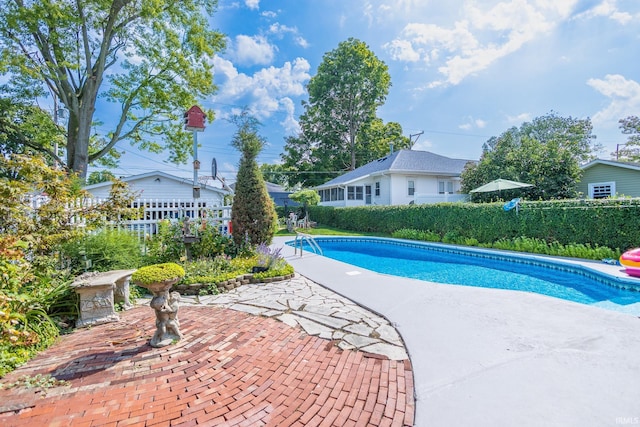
x=611 y=184
x=409 y=188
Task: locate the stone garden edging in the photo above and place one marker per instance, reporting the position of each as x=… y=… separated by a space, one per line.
x=227 y=285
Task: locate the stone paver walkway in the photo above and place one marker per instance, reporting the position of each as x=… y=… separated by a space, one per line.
x=232 y=369
x=318 y=311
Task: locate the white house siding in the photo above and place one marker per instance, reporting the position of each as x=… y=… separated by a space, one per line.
x=385 y=190
x=161 y=188
x=423 y=186
x=382 y=199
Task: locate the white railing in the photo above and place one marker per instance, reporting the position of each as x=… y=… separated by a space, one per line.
x=156 y=210
x=439 y=198
x=152 y=211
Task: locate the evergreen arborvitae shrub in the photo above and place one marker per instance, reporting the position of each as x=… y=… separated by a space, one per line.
x=253 y=214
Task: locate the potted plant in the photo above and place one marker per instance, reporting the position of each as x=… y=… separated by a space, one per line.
x=266 y=258
x=158 y=275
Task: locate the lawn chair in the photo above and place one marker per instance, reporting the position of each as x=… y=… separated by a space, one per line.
x=291 y=222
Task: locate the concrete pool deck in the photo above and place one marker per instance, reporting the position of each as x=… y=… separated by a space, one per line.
x=494 y=357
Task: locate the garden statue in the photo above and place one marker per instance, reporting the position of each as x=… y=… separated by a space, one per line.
x=167 y=325
x=159 y=279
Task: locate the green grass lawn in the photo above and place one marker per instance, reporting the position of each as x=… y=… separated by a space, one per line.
x=326 y=231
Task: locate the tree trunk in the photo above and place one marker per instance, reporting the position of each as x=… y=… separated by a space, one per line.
x=79 y=130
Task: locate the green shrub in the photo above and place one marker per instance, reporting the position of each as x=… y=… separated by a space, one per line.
x=209 y=270
x=35 y=303
x=610 y=223
x=108 y=249
x=412 y=234
x=211 y=243
x=157 y=273
x=168 y=244
x=281 y=270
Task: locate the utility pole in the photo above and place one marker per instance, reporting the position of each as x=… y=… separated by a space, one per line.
x=417 y=135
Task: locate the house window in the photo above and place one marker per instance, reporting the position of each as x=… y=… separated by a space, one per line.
x=340 y=193
x=377 y=189
x=354 y=193
x=445 y=187
x=411 y=188
x=601 y=190
x=334 y=194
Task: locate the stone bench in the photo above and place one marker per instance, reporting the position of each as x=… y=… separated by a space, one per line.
x=99 y=292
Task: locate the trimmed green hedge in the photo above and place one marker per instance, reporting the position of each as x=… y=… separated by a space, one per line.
x=614 y=223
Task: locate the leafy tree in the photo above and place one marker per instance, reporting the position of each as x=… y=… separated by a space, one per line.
x=310 y=164
x=306 y=198
x=545 y=152
x=43 y=206
x=100 y=176
x=376 y=140
x=147 y=57
x=253 y=214
x=27 y=129
x=351 y=83
x=37 y=216
x=631 y=150
x=275 y=173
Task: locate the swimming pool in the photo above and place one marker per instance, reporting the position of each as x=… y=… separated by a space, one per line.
x=485 y=268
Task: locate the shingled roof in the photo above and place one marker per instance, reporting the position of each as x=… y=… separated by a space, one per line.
x=403 y=161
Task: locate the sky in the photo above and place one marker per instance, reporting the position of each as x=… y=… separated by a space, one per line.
x=461 y=71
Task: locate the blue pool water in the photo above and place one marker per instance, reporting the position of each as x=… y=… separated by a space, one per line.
x=437 y=263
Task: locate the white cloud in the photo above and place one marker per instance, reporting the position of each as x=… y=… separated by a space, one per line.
x=290 y=124
x=302 y=42
x=402 y=50
x=252 y=4
x=423 y=145
x=253 y=50
x=267 y=92
x=624 y=98
x=479 y=37
x=269 y=14
x=519 y=119
x=608 y=9
x=280 y=30
x=473 y=124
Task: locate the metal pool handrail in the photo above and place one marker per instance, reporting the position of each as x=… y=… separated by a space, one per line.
x=309 y=238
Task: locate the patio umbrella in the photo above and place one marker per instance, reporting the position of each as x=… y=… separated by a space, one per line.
x=500 y=184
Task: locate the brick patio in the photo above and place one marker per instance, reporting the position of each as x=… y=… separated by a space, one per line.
x=232 y=369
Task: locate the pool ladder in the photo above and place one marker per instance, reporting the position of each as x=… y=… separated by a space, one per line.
x=302 y=237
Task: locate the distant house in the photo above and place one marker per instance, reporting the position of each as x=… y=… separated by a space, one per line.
x=161 y=185
x=604 y=178
x=400 y=178
x=278 y=194
x=164 y=196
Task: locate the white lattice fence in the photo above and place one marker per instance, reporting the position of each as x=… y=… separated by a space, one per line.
x=155 y=210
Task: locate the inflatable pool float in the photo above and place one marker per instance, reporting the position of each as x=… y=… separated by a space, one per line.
x=630 y=260
x=512 y=204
